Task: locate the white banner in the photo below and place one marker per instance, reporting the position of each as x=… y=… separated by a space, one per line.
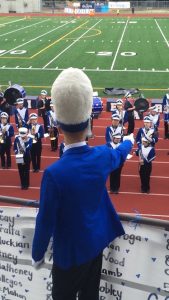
x=135 y=266
x=119 y=4
x=78 y=11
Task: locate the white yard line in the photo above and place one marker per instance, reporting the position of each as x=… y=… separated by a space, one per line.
x=34 y=39
x=162 y=33
x=86 y=70
x=13 y=21
x=70 y=45
x=112 y=66
x=23 y=28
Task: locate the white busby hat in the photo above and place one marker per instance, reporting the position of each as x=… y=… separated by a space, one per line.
x=23 y=131
x=4 y=115
x=20 y=101
x=115 y=117
x=72 y=95
x=33 y=116
x=43 y=92
x=119 y=102
x=147 y=119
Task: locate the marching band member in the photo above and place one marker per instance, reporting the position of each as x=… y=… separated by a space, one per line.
x=129 y=107
x=44 y=107
x=22 y=147
x=4 y=106
x=165 y=107
x=154 y=115
x=114 y=129
x=75 y=209
x=52 y=128
x=21 y=114
x=121 y=112
x=61 y=149
x=6 y=132
x=37 y=133
x=148 y=132
x=115 y=175
x=146 y=154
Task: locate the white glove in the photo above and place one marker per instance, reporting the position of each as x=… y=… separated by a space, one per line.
x=38 y=264
x=129 y=137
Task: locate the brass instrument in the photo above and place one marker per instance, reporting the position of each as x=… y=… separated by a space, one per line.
x=33 y=131
x=141 y=159
x=20 y=155
x=19 y=120
x=2 y=135
x=51 y=130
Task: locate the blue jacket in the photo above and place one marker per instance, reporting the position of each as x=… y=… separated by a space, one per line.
x=21 y=119
x=75 y=207
x=142 y=133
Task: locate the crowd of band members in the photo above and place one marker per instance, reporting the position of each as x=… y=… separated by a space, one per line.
x=30 y=133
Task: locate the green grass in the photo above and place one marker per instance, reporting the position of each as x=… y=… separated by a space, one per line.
x=53 y=44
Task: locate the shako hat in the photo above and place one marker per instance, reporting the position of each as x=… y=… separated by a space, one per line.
x=33 y=116
x=153 y=108
x=72 y=95
x=23 y=131
x=4 y=115
x=20 y=101
x=43 y=92
x=119 y=102
x=115 y=117
x=117 y=135
x=147 y=119
x=1 y=94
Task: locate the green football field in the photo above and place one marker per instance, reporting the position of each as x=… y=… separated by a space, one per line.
x=114 y=52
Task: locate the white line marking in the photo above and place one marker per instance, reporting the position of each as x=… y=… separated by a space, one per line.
x=162 y=33
x=158 y=177
x=154 y=162
x=140 y=214
x=89 y=70
x=144 y=194
x=18 y=187
x=33 y=39
x=13 y=21
x=70 y=45
x=23 y=27
x=112 y=66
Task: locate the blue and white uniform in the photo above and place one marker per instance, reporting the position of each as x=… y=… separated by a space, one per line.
x=23 y=146
x=165 y=107
x=146 y=155
x=21 y=117
x=6 y=133
x=85 y=196
x=149 y=134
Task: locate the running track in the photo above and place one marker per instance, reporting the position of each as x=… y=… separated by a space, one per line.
x=129 y=200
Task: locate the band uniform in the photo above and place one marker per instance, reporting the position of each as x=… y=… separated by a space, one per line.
x=22 y=145
x=6 y=133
